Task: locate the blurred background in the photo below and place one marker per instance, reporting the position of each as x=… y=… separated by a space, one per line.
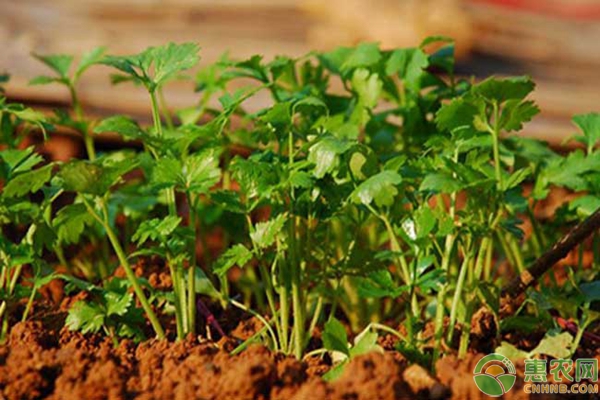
x=557 y=42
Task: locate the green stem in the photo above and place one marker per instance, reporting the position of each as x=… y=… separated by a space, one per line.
x=395 y=246
x=191 y=297
x=160 y=333
x=458 y=293
x=156 y=114
x=270 y=298
x=297 y=303
x=316 y=316
x=496 y=146
x=29 y=305
x=87 y=138
x=166 y=113
x=178 y=310
x=261 y=319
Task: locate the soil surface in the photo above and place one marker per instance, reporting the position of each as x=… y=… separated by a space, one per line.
x=42 y=361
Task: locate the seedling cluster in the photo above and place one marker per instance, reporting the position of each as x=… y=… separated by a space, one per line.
x=375 y=188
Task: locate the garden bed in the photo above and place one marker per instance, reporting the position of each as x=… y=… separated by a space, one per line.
x=366 y=235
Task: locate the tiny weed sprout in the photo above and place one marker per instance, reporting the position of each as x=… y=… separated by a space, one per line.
x=374 y=193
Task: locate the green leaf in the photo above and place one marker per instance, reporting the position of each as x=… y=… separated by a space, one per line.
x=85 y=317
x=44 y=80
x=367 y=86
x=516 y=178
x=502 y=90
x=173 y=58
x=515 y=113
x=335 y=338
x=71 y=221
x=590 y=126
x=156 y=65
x=117 y=303
x=20 y=160
x=335 y=372
x=59 y=63
x=28 y=182
x=410 y=63
x=379 y=284
x=264 y=233
x=365 y=342
x=228 y=200
x=591 y=291
x=554 y=345
x=90 y=58
x=456 y=114
x=93 y=177
x=201 y=171
x=380 y=188
x=156 y=229
x=325 y=155
x=440 y=182
x=511 y=352
x=197 y=174
x=122 y=125
x=425 y=221
x=236 y=255
x=364 y=55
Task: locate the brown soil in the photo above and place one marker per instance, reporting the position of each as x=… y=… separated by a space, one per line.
x=40 y=361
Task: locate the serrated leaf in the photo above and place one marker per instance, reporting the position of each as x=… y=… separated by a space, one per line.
x=363 y=55
x=379 y=284
x=93 y=178
x=380 y=188
x=501 y=90
x=367 y=86
x=59 y=63
x=85 y=317
x=20 y=160
x=440 y=182
x=325 y=155
x=229 y=200
x=122 y=125
x=515 y=113
x=264 y=233
x=90 y=58
x=156 y=229
x=71 y=221
x=117 y=303
x=335 y=338
x=28 y=182
x=425 y=221
x=554 y=345
x=410 y=63
x=456 y=114
x=201 y=171
x=590 y=126
x=516 y=178
x=236 y=255
x=156 y=65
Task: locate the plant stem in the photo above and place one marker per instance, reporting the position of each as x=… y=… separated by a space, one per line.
x=191 y=297
x=270 y=297
x=87 y=138
x=160 y=333
x=457 y=293
x=261 y=319
x=496 y=146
